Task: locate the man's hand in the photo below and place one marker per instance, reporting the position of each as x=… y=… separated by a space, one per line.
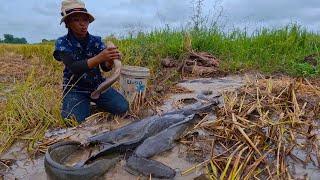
x=110 y=54
x=107 y=56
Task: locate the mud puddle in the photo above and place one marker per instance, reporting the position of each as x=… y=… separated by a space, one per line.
x=202 y=89
x=25 y=168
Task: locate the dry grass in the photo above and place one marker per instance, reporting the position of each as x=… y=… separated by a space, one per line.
x=13 y=67
x=30 y=95
x=260 y=129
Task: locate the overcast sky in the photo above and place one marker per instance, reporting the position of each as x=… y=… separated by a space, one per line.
x=39 y=19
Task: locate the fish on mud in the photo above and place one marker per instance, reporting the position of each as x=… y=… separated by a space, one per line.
x=143 y=139
x=154 y=124
x=139 y=163
x=149 y=137
x=153 y=127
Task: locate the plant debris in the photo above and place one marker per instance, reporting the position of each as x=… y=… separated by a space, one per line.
x=263 y=131
x=196 y=63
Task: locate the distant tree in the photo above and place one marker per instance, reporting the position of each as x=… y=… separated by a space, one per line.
x=10 y=39
x=24 y=41
x=46 y=41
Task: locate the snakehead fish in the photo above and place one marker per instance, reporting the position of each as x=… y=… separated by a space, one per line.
x=109 y=81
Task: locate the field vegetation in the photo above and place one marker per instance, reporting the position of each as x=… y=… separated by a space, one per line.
x=30 y=82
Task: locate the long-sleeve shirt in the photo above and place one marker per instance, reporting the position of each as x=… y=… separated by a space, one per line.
x=74 y=53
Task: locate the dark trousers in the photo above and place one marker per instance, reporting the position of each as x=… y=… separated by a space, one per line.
x=77 y=104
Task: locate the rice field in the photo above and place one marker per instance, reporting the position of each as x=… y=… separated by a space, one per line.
x=30 y=91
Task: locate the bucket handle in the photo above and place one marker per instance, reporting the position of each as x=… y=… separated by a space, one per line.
x=109 y=81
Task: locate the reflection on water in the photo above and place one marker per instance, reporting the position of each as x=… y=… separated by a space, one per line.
x=78 y=156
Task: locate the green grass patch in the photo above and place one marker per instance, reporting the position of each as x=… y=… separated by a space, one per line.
x=267 y=50
x=2 y=86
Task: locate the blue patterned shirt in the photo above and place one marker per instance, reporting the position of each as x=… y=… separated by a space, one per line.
x=80 y=51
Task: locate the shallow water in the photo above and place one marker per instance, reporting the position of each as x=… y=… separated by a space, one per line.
x=24 y=167
x=175 y=158
x=80 y=155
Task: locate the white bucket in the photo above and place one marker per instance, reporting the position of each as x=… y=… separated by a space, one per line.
x=133 y=80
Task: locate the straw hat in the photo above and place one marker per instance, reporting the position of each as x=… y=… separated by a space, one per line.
x=69 y=7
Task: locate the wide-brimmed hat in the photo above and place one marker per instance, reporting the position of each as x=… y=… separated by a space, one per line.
x=69 y=7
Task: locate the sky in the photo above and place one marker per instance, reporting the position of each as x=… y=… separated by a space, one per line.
x=39 y=19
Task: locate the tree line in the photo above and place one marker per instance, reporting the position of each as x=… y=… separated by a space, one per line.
x=10 y=39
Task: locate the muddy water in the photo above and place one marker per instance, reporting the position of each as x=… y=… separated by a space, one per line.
x=80 y=156
x=310 y=169
x=33 y=169
x=25 y=168
x=202 y=88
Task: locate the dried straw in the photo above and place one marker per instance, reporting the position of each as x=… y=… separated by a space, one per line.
x=259 y=130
